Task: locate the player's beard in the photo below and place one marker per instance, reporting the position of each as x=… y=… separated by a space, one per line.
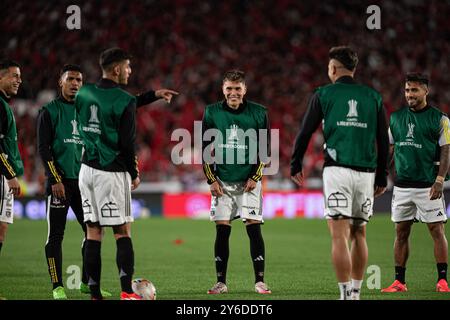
x=414 y=103
x=123 y=80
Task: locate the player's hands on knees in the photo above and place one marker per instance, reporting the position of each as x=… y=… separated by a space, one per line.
x=436 y=190
x=216 y=189
x=298 y=178
x=14 y=186
x=378 y=191
x=58 y=191
x=249 y=185
x=166 y=94
x=135 y=183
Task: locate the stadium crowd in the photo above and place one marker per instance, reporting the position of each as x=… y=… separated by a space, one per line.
x=187 y=45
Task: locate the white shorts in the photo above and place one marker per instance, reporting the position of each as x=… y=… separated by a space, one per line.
x=106 y=196
x=410 y=204
x=235 y=203
x=6 y=202
x=348 y=194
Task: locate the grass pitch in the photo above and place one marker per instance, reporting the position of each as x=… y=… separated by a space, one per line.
x=177 y=256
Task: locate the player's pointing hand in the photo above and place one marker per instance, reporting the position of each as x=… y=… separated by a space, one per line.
x=166 y=94
x=298 y=178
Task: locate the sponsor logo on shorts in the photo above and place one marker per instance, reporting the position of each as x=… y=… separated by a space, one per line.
x=87 y=208
x=110 y=210
x=337 y=200
x=366 y=206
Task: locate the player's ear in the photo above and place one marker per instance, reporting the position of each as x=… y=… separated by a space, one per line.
x=116 y=69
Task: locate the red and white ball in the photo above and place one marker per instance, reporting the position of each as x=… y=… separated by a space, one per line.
x=144 y=288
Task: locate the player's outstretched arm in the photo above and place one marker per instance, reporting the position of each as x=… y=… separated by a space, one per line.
x=152 y=96
x=166 y=94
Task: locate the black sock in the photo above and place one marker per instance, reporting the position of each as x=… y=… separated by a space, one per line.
x=442 y=271
x=125 y=263
x=400 y=274
x=53 y=253
x=1 y=244
x=222 y=251
x=93 y=265
x=84 y=277
x=257 y=250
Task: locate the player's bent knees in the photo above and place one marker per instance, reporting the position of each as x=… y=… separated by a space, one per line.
x=223 y=222
x=402 y=236
x=122 y=231
x=94 y=231
x=57 y=237
x=437 y=230
x=403 y=230
x=358 y=230
x=250 y=221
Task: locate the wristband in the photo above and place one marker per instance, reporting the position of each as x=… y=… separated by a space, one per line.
x=439 y=179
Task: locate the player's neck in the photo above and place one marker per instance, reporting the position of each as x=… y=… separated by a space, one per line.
x=343 y=74
x=111 y=77
x=68 y=98
x=5 y=94
x=234 y=107
x=421 y=106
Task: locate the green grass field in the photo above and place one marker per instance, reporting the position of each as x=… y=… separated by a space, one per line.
x=298 y=264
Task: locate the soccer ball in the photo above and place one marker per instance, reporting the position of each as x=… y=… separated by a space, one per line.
x=144 y=288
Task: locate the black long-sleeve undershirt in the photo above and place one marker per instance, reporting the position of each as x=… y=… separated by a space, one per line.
x=45 y=137
x=5 y=165
x=6 y=169
x=145 y=98
x=256 y=173
x=311 y=122
x=126 y=160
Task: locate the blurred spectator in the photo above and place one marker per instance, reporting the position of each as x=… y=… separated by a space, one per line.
x=281 y=45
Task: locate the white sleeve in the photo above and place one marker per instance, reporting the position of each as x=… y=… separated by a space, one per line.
x=391 y=138
x=444 y=136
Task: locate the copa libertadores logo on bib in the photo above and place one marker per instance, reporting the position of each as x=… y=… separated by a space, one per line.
x=94 y=122
x=410 y=133
x=352 y=116
x=94 y=117
x=233 y=137
x=352 y=111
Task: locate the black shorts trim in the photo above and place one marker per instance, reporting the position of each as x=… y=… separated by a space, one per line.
x=342 y=216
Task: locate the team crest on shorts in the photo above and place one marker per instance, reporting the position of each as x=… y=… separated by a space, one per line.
x=110 y=210
x=337 y=200
x=366 y=206
x=87 y=208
